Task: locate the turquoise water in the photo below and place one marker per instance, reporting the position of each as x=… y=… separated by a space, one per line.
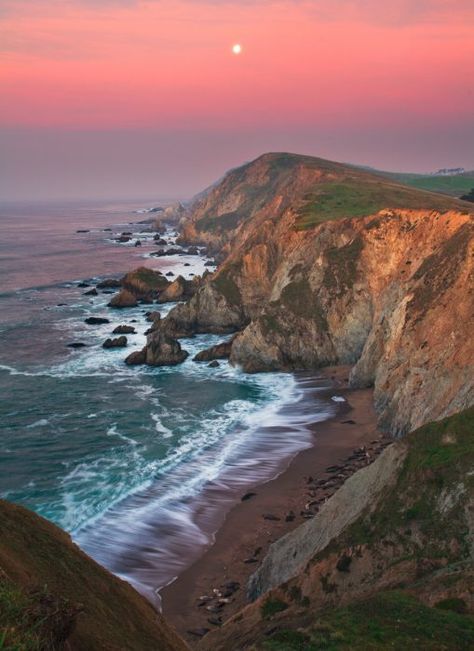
x=136 y=463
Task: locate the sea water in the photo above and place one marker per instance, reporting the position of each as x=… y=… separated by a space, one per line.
x=136 y=463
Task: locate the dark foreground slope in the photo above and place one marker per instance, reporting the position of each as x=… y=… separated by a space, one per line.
x=396 y=570
x=326 y=264
x=53 y=596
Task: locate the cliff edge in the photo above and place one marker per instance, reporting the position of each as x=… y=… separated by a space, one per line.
x=326 y=264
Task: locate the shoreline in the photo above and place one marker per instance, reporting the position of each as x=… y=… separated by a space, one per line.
x=191 y=601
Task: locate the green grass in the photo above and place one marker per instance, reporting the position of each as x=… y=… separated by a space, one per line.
x=43 y=572
x=354 y=197
x=271 y=607
x=453 y=185
x=391 y=620
x=151 y=279
x=440 y=458
x=454 y=604
x=225 y=222
x=33 y=621
x=320 y=190
x=225 y=285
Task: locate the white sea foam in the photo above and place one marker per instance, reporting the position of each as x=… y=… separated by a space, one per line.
x=140 y=487
x=39 y=423
x=160 y=428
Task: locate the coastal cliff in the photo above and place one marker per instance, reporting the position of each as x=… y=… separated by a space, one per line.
x=395 y=545
x=324 y=264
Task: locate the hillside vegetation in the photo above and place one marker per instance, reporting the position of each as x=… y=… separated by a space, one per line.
x=53 y=596
x=455 y=185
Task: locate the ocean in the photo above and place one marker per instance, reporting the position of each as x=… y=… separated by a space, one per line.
x=138 y=464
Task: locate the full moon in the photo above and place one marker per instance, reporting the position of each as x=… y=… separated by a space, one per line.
x=237 y=49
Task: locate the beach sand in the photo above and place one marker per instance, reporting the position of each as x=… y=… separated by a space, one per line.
x=246 y=534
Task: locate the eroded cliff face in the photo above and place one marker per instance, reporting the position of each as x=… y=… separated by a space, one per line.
x=409 y=526
x=389 y=290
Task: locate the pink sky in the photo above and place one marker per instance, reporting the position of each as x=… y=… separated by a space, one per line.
x=332 y=69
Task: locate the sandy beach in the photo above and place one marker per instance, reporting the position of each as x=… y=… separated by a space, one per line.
x=275 y=509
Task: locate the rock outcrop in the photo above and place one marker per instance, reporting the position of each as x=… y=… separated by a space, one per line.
x=219 y=351
x=124 y=298
x=145 y=284
x=136 y=358
x=361 y=493
x=328 y=264
x=404 y=523
x=116 y=342
x=124 y=330
x=96 y=320
x=178 y=290
x=161 y=350
x=109 y=283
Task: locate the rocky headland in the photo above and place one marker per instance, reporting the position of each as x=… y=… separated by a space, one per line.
x=369 y=546
x=324 y=264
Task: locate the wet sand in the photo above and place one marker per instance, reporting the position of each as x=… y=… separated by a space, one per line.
x=246 y=535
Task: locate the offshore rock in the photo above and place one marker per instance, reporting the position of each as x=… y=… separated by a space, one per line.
x=117 y=342
x=162 y=350
x=136 y=358
x=124 y=330
x=124 y=298
x=145 y=284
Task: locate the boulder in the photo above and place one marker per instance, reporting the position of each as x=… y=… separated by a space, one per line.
x=170 y=273
x=76 y=344
x=162 y=350
x=153 y=316
x=214 y=364
x=137 y=357
x=83 y=284
x=162 y=252
x=96 y=320
x=193 y=250
x=109 y=283
x=159 y=240
x=124 y=330
x=138 y=243
x=91 y=292
x=118 y=342
x=219 y=351
x=124 y=298
x=123 y=238
x=145 y=284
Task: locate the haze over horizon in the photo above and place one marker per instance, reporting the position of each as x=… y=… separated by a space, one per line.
x=144 y=98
